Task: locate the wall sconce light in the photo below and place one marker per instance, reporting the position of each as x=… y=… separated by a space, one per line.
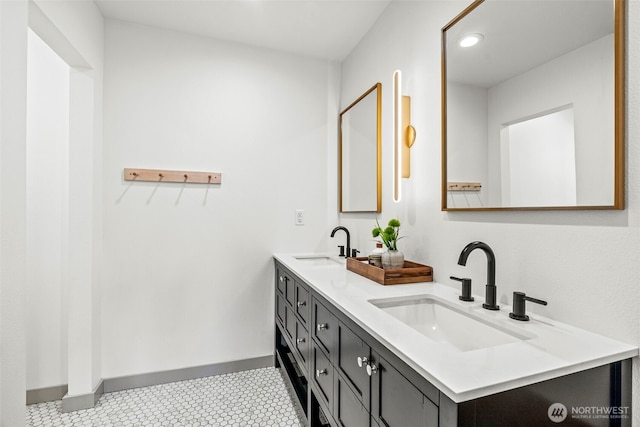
x=404 y=135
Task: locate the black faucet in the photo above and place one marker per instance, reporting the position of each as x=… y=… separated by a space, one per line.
x=490 y=296
x=348 y=240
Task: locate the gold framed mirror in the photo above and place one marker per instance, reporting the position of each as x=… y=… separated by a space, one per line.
x=360 y=153
x=533 y=115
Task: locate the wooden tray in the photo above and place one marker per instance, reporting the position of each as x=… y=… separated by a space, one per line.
x=412 y=272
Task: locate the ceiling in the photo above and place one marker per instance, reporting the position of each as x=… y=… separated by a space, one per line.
x=326 y=29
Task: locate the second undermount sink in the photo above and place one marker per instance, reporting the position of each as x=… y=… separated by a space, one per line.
x=318 y=260
x=447 y=324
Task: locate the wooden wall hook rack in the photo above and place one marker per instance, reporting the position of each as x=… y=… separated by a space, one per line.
x=159 y=175
x=464 y=186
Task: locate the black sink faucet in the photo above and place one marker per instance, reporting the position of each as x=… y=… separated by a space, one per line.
x=348 y=239
x=490 y=297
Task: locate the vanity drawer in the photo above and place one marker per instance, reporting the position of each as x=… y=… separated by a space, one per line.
x=286 y=285
x=302 y=303
x=322 y=373
x=282 y=277
x=325 y=326
x=352 y=357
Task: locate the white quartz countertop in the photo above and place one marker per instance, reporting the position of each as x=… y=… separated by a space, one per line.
x=554 y=349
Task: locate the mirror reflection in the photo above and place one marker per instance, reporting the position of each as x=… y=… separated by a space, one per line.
x=360 y=156
x=533 y=112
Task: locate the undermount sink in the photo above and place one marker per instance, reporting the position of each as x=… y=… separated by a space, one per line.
x=447 y=324
x=318 y=260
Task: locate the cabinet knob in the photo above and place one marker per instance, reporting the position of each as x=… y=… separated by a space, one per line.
x=300 y=340
x=362 y=361
x=320 y=372
x=372 y=369
x=301 y=303
x=281 y=279
x=322 y=326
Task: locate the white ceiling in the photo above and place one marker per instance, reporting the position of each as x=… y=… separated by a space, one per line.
x=327 y=29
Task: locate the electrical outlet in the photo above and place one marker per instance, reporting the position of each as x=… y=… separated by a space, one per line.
x=299 y=216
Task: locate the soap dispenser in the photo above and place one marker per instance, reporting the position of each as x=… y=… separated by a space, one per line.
x=375 y=258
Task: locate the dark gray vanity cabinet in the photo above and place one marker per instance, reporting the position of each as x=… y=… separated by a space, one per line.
x=344 y=377
x=340 y=374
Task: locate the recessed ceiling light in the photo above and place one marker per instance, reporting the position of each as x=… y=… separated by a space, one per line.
x=469 y=40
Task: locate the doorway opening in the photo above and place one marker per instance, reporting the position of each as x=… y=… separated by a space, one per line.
x=539 y=160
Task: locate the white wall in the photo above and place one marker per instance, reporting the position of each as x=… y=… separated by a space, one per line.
x=47 y=169
x=188 y=268
x=13 y=75
x=584 y=263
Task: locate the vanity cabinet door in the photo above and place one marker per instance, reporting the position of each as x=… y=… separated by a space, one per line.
x=395 y=402
x=281 y=309
x=348 y=410
x=322 y=373
x=290 y=290
x=302 y=344
x=352 y=357
x=290 y=324
x=302 y=303
x=325 y=326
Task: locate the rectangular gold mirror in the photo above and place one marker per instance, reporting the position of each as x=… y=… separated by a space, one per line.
x=360 y=153
x=533 y=113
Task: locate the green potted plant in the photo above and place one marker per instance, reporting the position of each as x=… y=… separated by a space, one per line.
x=392 y=258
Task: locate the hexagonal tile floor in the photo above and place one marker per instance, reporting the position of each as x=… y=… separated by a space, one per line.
x=256 y=398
